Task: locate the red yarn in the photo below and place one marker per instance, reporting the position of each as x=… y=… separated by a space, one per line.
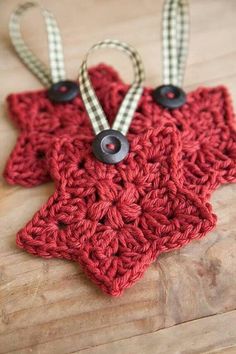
x=116 y=219
x=40 y=120
x=206 y=123
x=207 y=127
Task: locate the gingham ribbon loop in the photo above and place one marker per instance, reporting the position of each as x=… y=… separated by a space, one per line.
x=130 y=102
x=45 y=75
x=175 y=35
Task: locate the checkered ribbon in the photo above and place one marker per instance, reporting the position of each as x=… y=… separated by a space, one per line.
x=95 y=112
x=45 y=75
x=175 y=35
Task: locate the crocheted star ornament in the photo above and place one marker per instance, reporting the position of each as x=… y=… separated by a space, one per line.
x=114 y=220
x=40 y=120
x=207 y=127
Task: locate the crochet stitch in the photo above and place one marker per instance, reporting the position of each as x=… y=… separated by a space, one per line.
x=207 y=127
x=40 y=120
x=116 y=219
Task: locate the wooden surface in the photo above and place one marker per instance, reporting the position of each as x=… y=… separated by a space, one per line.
x=186 y=301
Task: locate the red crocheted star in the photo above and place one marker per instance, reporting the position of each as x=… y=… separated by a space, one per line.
x=116 y=219
x=40 y=120
x=207 y=126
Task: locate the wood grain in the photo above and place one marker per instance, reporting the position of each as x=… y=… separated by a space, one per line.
x=185 y=303
x=199 y=336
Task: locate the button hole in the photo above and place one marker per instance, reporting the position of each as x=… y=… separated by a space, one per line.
x=170 y=95
x=63 y=89
x=111 y=147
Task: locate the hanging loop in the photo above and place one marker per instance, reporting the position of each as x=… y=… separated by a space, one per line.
x=47 y=76
x=115 y=137
x=175 y=34
x=175 y=37
x=95 y=112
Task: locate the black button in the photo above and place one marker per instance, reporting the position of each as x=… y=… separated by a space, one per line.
x=110 y=146
x=63 y=91
x=169 y=96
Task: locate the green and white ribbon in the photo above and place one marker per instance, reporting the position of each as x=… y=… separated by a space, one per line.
x=39 y=69
x=130 y=102
x=175 y=37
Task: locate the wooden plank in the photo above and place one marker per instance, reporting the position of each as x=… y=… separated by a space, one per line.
x=230 y=350
x=50 y=306
x=196 y=337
